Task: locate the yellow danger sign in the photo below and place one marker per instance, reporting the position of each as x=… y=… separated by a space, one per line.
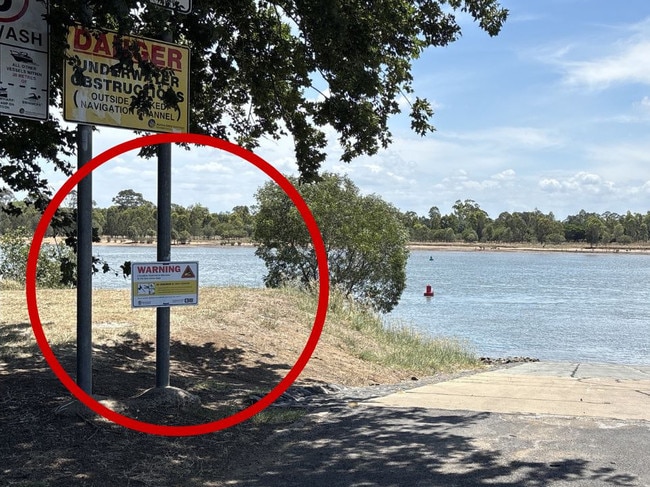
x=105 y=77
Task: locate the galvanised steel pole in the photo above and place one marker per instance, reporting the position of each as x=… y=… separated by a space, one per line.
x=164 y=248
x=84 y=262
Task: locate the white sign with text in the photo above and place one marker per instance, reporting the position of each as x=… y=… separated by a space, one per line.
x=160 y=284
x=24 y=59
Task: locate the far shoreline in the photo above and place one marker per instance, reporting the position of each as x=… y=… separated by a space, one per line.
x=426 y=246
x=430 y=246
x=528 y=247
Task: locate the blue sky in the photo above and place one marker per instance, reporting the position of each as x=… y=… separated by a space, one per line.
x=552 y=114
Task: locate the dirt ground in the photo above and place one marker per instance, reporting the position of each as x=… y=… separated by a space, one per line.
x=228 y=360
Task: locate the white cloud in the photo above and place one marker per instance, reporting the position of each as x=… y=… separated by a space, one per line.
x=374 y=168
x=396 y=177
x=209 y=167
x=462 y=181
x=514 y=137
x=581 y=182
x=631 y=65
x=507 y=175
x=550 y=184
x=569 y=193
x=627 y=60
x=640 y=113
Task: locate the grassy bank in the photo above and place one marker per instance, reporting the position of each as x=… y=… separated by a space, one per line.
x=399 y=346
x=264 y=323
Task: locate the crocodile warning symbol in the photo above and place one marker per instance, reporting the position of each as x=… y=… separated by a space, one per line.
x=187 y=273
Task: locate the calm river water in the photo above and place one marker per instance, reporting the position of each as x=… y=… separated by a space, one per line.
x=553 y=306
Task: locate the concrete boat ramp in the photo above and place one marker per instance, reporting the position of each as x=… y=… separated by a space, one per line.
x=535 y=424
x=563 y=389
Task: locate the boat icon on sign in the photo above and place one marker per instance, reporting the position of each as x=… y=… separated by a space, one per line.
x=21 y=56
x=146 y=289
x=3 y=92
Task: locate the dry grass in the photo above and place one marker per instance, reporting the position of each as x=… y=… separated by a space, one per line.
x=236 y=344
x=271 y=327
x=364 y=335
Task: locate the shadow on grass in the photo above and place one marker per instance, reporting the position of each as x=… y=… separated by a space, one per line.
x=38 y=447
x=223 y=378
x=349 y=446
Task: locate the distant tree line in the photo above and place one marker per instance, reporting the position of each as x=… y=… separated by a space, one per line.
x=133 y=218
x=469 y=223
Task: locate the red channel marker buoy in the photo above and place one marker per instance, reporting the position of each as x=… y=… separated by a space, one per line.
x=429 y=292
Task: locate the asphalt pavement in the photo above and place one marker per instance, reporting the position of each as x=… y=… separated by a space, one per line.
x=535 y=424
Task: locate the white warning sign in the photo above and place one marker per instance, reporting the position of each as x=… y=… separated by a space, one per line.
x=24 y=60
x=159 y=284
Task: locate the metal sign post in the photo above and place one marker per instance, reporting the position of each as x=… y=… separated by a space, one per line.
x=164 y=250
x=98 y=92
x=84 y=262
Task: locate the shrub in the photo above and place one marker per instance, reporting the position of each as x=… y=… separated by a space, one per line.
x=14 y=250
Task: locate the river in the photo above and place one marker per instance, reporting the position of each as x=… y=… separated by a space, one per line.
x=552 y=306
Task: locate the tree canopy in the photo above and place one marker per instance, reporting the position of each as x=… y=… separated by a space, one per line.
x=263 y=68
x=364 y=238
x=127 y=198
x=467 y=222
